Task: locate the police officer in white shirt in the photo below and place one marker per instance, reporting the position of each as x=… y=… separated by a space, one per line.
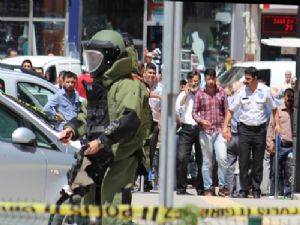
x=188 y=136
x=253 y=98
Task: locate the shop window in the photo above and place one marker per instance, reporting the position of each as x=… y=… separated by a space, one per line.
x=206 y=31
x=14 y=8
x=49 y=8
x=114 y=14
x=49 y=37
x=13 y=35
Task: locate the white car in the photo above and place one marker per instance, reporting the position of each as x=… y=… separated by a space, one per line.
x=53 y=64
x=272 y=72
x=27 y=87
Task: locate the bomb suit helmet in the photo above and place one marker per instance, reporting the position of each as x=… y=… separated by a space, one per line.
x=101 y=51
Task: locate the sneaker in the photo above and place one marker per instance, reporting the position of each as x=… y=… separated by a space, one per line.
x=181 y=192
x=256 y=194
x=223 y=192
x=243 y=194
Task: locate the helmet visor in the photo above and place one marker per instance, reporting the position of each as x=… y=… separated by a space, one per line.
x=92 y=59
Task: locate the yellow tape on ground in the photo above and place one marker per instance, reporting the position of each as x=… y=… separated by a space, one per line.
x=156 y=214
x=120 y=212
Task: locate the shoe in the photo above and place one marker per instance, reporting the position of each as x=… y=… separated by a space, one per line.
x=181 y=192
x=200 y=192
x=256 y=194
x=234 y=195
x=208 y=193
x=148 y=186
x=223 y=192
x=243 y=194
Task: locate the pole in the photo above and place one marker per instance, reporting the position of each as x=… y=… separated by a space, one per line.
x=145 y=26
x=276 y=167
x=172 y=32
x=296 y=128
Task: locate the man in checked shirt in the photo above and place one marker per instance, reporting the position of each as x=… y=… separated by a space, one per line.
x=209 y=109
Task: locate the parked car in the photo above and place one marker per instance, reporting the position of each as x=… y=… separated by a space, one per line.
x=272 y=72
x=27 y=87
x=33 y=162
x=53 y=64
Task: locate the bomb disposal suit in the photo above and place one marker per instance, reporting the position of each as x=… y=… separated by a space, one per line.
x=118 y=116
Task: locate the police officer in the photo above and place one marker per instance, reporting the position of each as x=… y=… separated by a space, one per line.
x=118 y=115
x=253 y=98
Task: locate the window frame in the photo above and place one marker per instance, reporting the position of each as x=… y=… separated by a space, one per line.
x=31 y=19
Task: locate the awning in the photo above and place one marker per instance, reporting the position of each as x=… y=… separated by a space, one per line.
x=282 y=42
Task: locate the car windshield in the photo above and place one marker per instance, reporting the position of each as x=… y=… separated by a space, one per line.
x=34 y=110
x=232 y=75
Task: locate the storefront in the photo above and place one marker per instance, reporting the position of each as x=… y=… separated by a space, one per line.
x=206 y=30
x=123 y=16
x=40 y=27
x=34 y=27
x=278 y=21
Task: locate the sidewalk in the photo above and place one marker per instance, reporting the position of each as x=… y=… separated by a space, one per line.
x=152 y=199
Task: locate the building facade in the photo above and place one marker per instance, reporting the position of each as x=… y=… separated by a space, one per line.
x=213 y=31
x=34 y=27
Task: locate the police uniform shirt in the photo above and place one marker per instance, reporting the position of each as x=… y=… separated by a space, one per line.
x=253 y=104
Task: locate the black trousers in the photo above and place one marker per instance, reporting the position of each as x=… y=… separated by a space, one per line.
x=252 y=143
x=188 y=136
x=153 y=141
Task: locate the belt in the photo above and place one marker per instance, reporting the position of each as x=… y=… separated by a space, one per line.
x=189 y=126
x=263 y=125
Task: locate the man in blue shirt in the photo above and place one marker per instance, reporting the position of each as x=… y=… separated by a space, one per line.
x=65 y=103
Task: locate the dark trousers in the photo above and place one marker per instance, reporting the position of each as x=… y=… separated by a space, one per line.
x=252 y=143
x=153 y=142
x=232 y=157
x=188 y=136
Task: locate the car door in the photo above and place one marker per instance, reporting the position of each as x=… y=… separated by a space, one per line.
x=58 y=162
x=22 y=167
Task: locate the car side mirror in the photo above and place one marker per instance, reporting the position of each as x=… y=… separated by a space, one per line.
x=23 y=135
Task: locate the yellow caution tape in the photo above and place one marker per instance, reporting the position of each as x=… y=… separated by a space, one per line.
x=120 y=212
x=147 y=213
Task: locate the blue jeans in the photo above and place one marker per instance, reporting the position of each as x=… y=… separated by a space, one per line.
x=210 y=142
x=285 y=168
x=232 y=160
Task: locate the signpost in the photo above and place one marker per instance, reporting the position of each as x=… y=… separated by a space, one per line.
x=172 y=33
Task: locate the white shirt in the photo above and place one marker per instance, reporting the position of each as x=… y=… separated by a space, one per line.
x=155 y=103
x=253 y=104
x=185 y=111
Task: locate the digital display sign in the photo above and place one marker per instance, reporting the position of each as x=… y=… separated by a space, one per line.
x=279 y=24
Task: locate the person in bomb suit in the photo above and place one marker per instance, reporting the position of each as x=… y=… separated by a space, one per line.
x=118 y=117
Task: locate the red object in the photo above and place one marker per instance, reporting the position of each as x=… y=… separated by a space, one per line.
x=134 y=76
x=279 y=24
x=210 y=108
x=266 y=6
x=79 y=85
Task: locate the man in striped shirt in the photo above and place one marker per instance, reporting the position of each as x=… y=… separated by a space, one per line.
x=209 y=109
